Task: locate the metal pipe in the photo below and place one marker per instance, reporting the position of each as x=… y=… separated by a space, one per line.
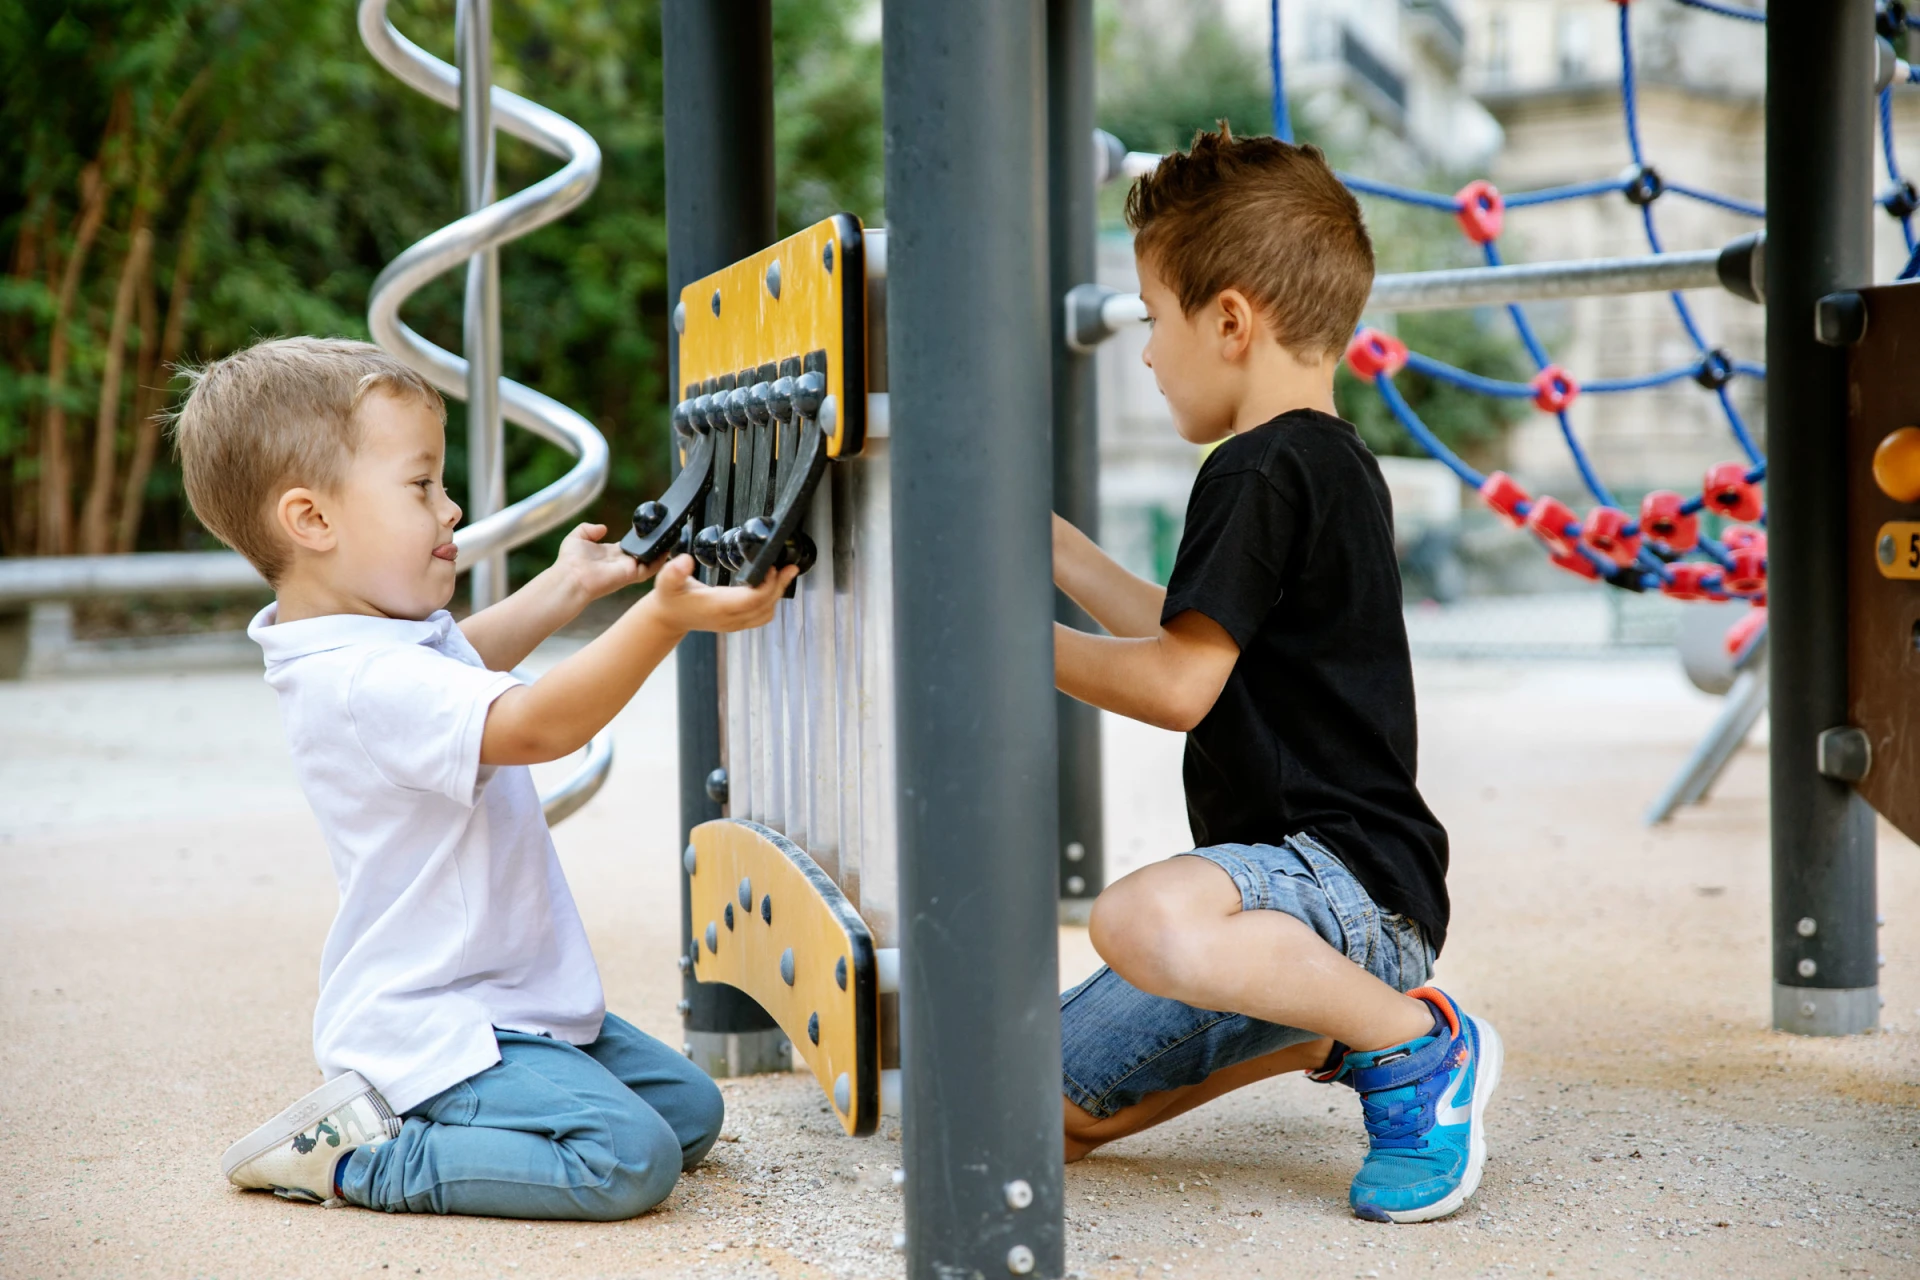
x=1081 y=848
x=964 y=93
x=1094 y=313
x=1545 y=281
x=451 y=246
x=1819 y=162
x=582 y=785
x=25 y=579
x=718 y=119
x=486 y=452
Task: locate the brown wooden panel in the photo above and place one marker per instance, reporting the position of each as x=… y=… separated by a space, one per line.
x=1883 y=605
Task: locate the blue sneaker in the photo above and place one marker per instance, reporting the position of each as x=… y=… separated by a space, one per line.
x=1423 y=1102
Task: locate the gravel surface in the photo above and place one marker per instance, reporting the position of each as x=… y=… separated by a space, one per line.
x=163 y=896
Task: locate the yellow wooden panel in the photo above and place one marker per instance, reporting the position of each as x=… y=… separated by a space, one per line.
x=1896 y=549
x=757 y=899
x=734 y=321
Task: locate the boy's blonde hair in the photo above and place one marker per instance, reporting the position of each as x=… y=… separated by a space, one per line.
x=1263 y=216
x=276 y=415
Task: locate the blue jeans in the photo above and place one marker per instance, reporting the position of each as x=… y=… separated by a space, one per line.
x=597 y=1132
x=1119 y=1044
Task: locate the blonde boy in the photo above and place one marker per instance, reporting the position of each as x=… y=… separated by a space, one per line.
x=471 y=1065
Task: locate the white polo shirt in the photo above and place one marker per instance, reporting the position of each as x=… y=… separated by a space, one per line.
x=455 y=917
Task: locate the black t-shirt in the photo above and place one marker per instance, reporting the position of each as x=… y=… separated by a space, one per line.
x=1289 y=547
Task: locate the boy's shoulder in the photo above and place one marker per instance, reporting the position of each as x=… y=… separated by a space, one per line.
x=1301 y=445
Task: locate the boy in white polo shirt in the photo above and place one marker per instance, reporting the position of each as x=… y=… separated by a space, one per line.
x=471 y=1064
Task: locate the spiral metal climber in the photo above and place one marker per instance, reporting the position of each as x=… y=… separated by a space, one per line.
x=472 y=242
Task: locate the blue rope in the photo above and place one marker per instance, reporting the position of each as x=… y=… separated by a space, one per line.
x=1604 y=386
x=1410 y=422
x=1747 y=446
x=1627 y=87
x=1727 y=10
x=1573 y=191
x=1912 y=268
x=1406 y=195
x=1893 y=161
x=1466 y=380
x=1747 y=369
x=1714 y=198
x=1584 y=464
x=1282 y=123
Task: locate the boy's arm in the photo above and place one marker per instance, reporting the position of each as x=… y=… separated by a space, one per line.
x=586 y=569
x=1122 y=602
x=1170 y=678
x=558 y=713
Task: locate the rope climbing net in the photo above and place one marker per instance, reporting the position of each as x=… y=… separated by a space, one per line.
x=1663 y=548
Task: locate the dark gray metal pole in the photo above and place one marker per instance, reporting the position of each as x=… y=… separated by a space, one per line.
x=1820 y=64
x=1076 y=427
x=967 y=335
x=718 y=114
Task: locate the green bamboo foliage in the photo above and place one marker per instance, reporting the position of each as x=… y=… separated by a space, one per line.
x=177 y=179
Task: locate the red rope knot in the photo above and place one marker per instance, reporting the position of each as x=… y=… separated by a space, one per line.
x=1728 y=491
x=1554 y=389
x=1662 y=520
x=1504 y=494
x=1605 y=530
x=1372 y=353
x=1549 y=519
x=1481 y=210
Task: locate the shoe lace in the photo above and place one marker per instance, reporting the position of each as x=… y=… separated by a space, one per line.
x=1403 y=1117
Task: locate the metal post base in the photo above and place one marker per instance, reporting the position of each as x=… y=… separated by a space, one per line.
x=739 y=1053
x=1825 y=1011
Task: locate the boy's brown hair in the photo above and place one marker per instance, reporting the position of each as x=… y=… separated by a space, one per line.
x=1263 y=216
x=279 y=414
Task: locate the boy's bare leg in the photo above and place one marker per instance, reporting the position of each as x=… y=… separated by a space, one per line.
x=1085 y=1132
x=1176 y=929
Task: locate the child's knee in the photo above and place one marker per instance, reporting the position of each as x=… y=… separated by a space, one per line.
x=1139 y=934
x=642 y=1176
x=701 y=1113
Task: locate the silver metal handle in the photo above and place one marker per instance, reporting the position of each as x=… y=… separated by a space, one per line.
x=474 y=237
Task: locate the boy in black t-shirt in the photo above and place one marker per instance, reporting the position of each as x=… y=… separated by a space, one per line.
x=1299 y=935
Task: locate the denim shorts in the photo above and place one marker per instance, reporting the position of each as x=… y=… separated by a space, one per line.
x=1119 y=1044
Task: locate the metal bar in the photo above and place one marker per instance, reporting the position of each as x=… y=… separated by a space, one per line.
x=1709 y=759
x=1081 y=849
x=718 y=117
x=1545 y=281
x=967 y=331
x=1819 y=210
x=24 y=579
x=1093 y=313
x=486 y=443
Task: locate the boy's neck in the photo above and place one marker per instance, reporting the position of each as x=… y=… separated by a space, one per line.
x=1278 y=381
x=299 y=597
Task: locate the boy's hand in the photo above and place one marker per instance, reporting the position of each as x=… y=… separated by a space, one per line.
x=685 y=603
x=595 y=568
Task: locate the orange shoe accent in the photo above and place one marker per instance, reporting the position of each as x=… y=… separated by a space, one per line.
x=1438 y=999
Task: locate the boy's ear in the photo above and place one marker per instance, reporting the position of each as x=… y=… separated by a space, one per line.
x=1234 y=321
x=302 y=516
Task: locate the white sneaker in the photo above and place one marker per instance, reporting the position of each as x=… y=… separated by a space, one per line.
x=294 y=1154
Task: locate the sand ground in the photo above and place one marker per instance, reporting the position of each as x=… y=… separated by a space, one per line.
x=163 y=896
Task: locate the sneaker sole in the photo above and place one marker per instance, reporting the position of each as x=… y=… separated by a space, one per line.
x=295 y=1119
x=1492 y=1055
